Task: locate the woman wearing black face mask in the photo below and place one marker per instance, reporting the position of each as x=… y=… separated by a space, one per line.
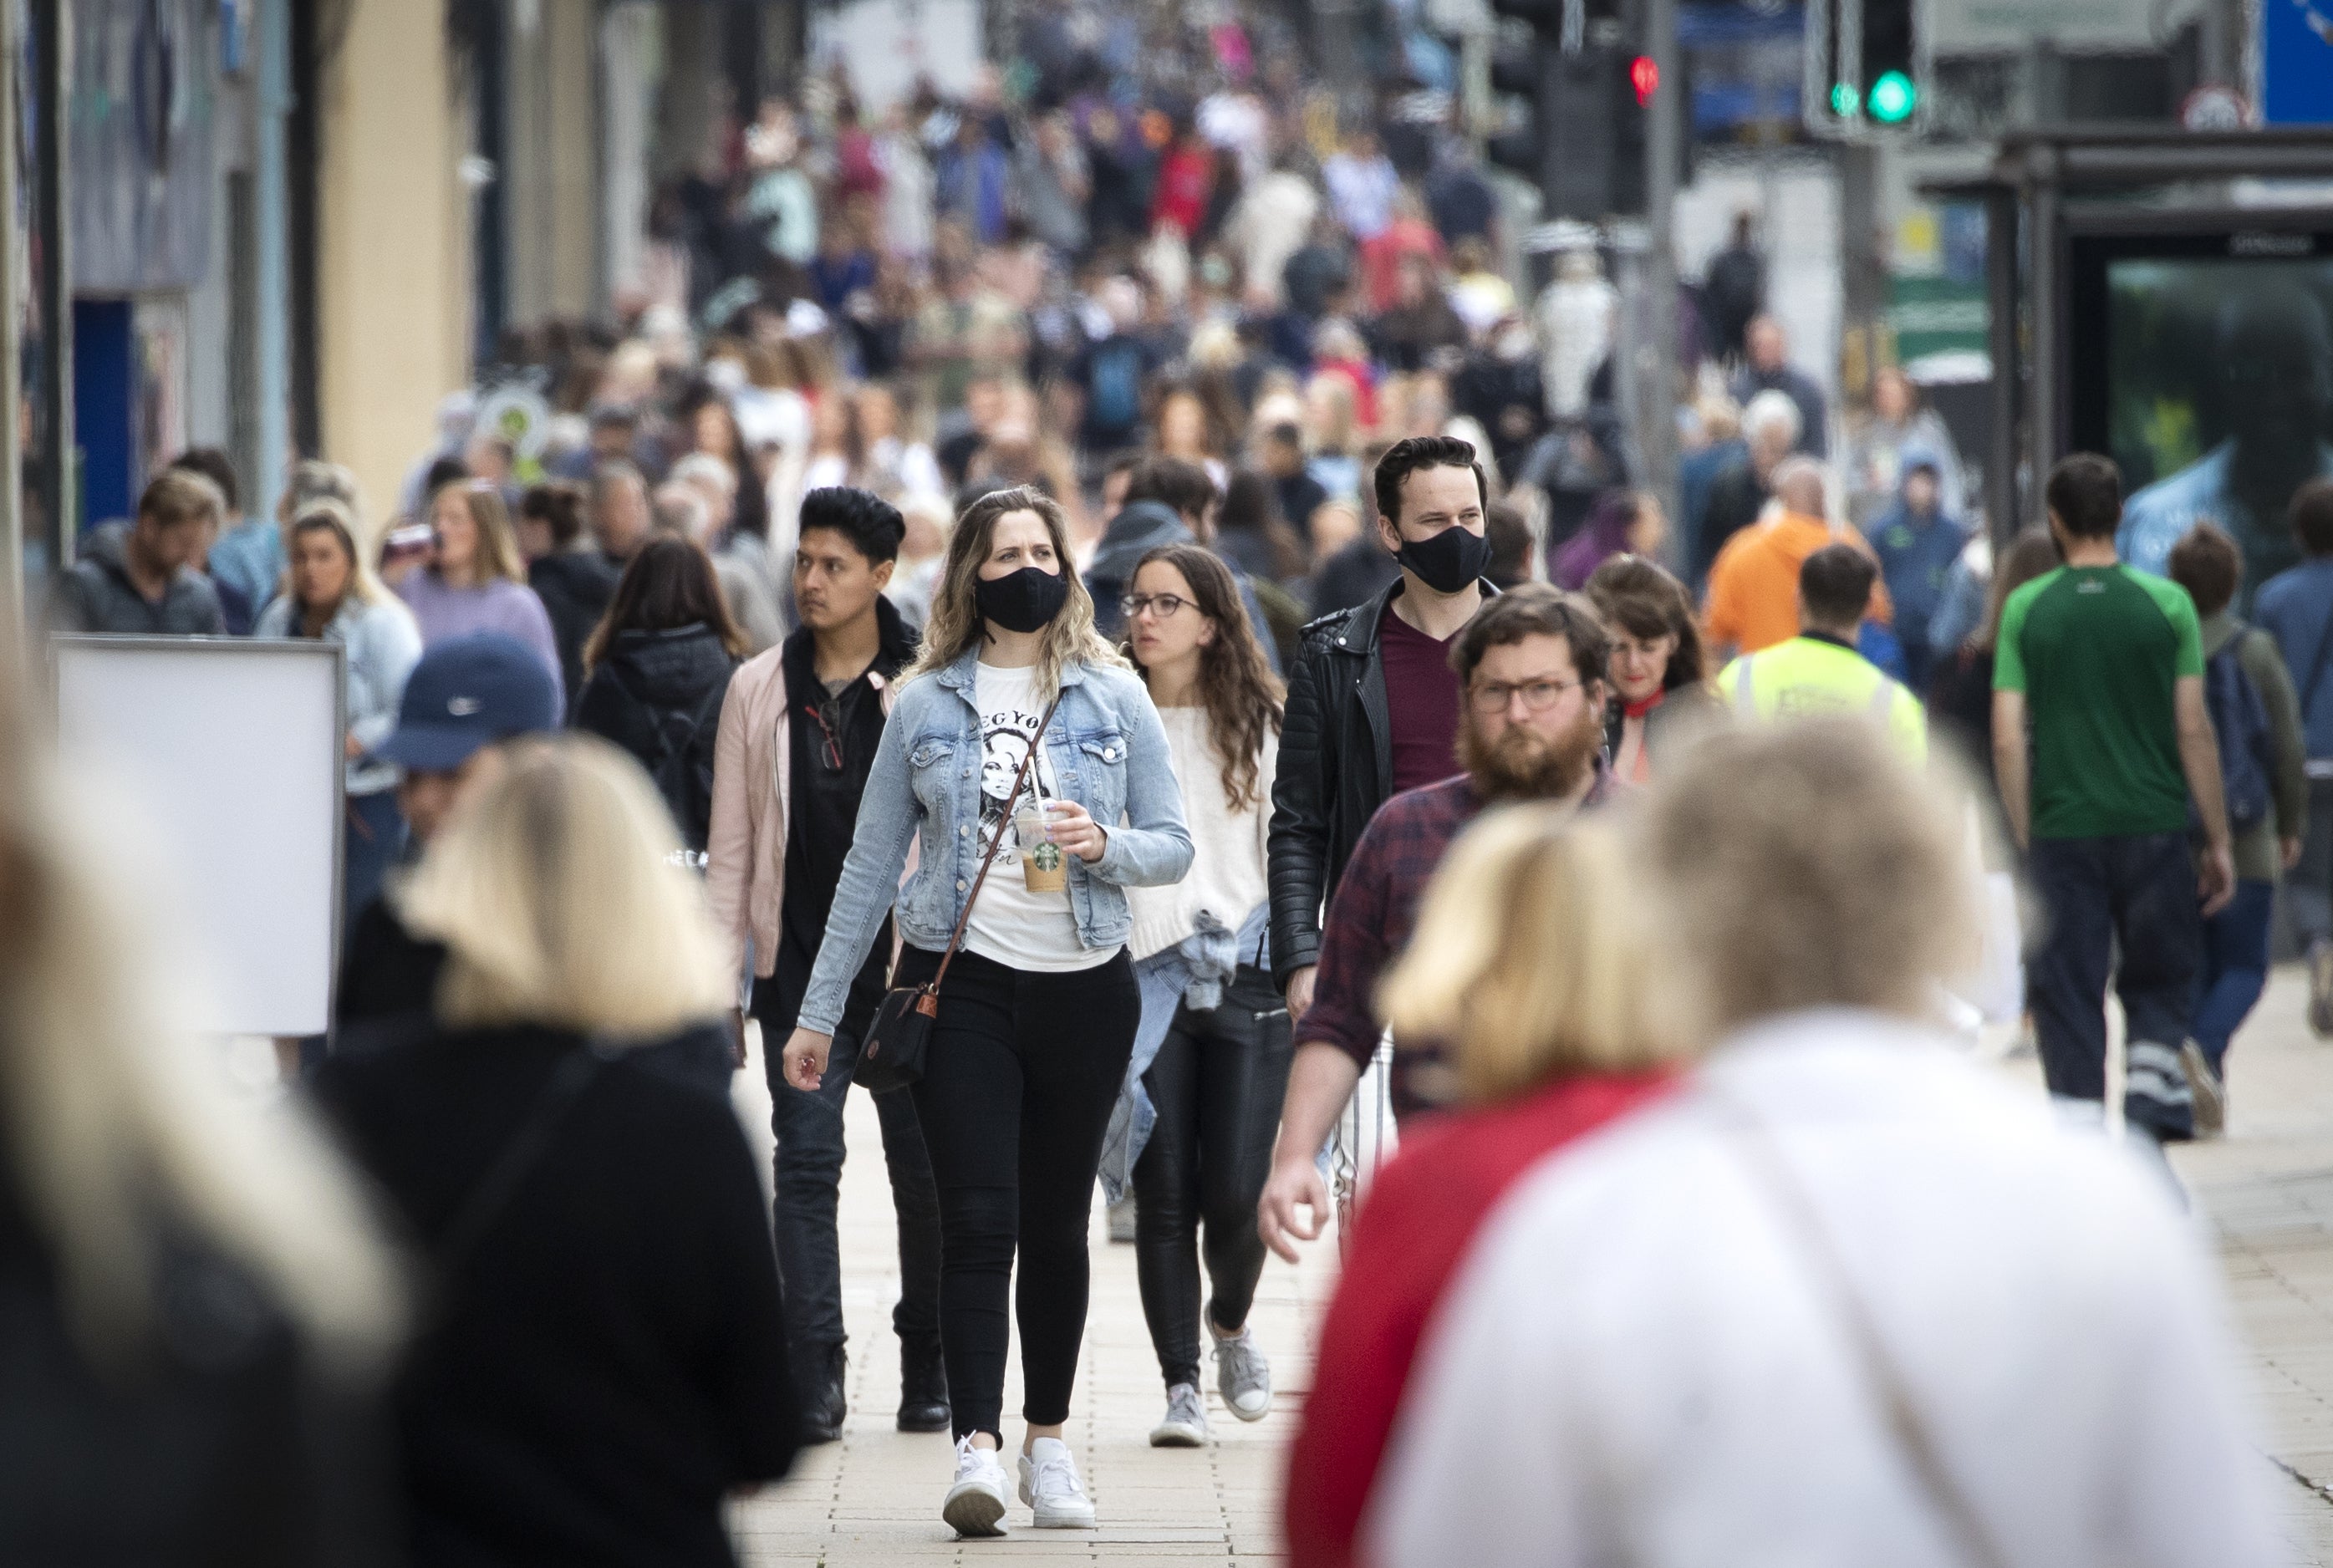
x=1038 y=1008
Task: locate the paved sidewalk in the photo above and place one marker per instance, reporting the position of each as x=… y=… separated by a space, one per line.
x=874 y=1497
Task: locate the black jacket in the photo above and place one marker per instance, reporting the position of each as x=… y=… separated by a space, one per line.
x=607 y=1358
x=657 y=695
x=574 y=586
x=1336 y=768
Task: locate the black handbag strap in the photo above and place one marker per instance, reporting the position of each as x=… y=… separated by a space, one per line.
x=956 y=937
x=491 y=1196
x=1763 y=1157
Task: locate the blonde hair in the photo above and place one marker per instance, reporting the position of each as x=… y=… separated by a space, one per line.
x=115 y=1116
x=1807 y=866
x=561 y=897
x=954 y=627
x=364 y=584
x=1528 y=957
x=498 y=554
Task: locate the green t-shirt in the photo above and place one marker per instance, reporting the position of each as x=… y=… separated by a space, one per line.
x=2096 y=651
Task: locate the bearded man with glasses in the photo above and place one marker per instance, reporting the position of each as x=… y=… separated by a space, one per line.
x=1531 y=668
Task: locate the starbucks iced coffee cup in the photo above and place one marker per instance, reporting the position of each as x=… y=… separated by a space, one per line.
x=1044 y=868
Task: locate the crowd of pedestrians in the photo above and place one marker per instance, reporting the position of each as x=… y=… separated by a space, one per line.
x=1098 y=616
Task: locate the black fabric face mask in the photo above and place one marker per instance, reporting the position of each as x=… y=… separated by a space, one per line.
x=1022 y=600
x=1449 y=561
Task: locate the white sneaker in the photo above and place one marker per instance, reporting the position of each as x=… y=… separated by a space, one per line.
x=1186 y=1426
x=976 y=1504
x=1049 y=1486
x=1242 y=1376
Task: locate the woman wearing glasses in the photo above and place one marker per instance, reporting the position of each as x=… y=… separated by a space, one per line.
x=1038 y=1008
x=1211 y=1058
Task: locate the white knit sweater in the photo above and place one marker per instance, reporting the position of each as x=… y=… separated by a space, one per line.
x=1226 y=877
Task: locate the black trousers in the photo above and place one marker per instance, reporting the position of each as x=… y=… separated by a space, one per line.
x=1014 y=1100
x=1216 y=1083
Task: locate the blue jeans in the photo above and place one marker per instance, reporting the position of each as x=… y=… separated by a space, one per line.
x=372 y=840
x=2235 y=967
x=2133 y=895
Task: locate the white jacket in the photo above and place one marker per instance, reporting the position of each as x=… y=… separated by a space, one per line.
x=1639 y=1362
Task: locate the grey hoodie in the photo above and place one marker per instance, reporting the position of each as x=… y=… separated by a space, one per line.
x=94 y=594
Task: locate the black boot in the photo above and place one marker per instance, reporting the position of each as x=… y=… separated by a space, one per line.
x=822 y=1396
x=923 y=1390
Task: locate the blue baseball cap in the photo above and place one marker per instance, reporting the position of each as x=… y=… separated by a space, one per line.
x=468 y=694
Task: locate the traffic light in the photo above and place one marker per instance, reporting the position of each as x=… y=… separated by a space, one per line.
x=1589 y=92
x=1866 y=67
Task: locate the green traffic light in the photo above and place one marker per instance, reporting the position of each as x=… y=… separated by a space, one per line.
x=1843 y=100
x=1893 y=98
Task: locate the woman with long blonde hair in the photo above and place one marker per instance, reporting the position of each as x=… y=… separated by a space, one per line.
x=606 y=1360
x=1529 y=963
x=476 y=580
x=200 y=1311
x=1019 y=741
x=330 y=592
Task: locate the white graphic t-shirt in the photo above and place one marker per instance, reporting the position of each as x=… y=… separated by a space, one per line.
x=1010 y=924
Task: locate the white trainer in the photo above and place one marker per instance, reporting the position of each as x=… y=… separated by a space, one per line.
x=1049 y=1486
x=976 y=1504
x=1242 y=1376
x=1186 y=1426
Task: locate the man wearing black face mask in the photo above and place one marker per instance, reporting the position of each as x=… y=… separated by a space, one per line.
x=1373 y=702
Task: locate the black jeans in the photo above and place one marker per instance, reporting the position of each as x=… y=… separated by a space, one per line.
x=2309 y=888
x=2136 y=894
x=1216 y=1083
x=808 y=1169
x=1015 y=1098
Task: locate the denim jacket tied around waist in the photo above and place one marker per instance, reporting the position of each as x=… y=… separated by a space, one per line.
x=1109 y=752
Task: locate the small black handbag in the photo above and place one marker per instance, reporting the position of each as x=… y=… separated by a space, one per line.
x=897 y=1041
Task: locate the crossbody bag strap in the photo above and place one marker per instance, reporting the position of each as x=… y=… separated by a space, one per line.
x=995 y=844
x=1762 y=1156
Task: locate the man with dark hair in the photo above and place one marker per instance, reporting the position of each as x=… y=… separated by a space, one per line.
x=1531 y=668
x=138 y=577
x=799 y=730
x=1373 y=704
x=2264 y=780
x=574 y=580
x=1818 y=673
x=2102 y=667
x=1917 y=543
x=621 y=517
x=2296 y=608
x=246 y=561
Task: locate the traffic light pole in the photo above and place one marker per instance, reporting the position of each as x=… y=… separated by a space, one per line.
x=1657 y=379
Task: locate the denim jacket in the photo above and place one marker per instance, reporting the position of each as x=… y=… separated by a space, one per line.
x=1109 y=754
x=384 y=645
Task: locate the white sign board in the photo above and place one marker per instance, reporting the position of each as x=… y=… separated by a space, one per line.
x=2010 y=27
x=229 y=750
x=887 y=45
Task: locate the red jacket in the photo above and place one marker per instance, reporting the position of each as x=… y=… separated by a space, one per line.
x=1412 y=1237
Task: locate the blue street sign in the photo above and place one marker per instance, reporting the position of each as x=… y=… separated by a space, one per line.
x=2296 y=62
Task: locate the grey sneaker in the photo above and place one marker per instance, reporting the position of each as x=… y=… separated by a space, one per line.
x=1186 y=1426
x=2211 y=1093
x=2320 y=986
x=1242 y=1376
x=1121 y=1219
x=1049 y=1486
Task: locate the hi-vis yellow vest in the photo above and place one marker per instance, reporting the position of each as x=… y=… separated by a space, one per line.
x=1807 y=678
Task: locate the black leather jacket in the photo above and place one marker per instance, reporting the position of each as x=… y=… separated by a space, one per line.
x=1336 y=768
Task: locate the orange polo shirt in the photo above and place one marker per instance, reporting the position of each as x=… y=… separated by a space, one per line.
x=1753 y=586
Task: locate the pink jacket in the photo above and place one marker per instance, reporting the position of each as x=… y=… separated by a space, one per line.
x=753 y=776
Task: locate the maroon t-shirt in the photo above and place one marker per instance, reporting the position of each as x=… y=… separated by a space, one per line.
x=1422 y=695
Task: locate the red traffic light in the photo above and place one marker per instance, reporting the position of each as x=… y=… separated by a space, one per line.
x=1645 y=76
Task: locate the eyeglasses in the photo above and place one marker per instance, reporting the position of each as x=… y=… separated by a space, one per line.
x=1539 y=695
x=828 y=716
x=1165 y=604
